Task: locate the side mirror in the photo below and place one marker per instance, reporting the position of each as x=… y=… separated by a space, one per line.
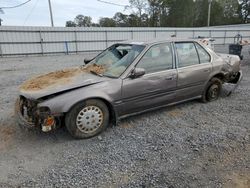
x=87 y=60
x=137 y=72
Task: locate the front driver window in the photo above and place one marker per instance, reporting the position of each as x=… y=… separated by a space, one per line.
x=157 y=58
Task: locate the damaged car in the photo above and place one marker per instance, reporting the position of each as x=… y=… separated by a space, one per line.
x=125 y=79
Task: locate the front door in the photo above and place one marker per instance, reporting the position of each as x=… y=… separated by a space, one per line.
x=155 y=88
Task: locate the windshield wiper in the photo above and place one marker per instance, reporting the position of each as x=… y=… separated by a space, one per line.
x=95 y=73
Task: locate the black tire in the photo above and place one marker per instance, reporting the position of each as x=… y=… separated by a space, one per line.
x=74 y=113
x=212 y=90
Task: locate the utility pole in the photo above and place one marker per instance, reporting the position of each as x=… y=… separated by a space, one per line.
x=1 y=12
x=209 y=12
x=51 y=14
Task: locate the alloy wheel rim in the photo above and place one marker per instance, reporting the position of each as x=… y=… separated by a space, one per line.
x=89 y=119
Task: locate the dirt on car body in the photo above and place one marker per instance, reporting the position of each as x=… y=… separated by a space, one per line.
x=58 y=77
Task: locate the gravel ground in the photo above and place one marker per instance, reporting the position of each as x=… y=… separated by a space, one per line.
x=188 y=145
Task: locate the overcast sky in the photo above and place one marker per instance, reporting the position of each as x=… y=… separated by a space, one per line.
x=36 y=12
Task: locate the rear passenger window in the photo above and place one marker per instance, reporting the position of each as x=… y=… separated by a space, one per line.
x=204 y=56
x=187 y=54
x=157 y=58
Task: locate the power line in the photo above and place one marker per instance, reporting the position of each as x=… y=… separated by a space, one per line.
x=111 y=3
x=16 y=6
x=27 y=17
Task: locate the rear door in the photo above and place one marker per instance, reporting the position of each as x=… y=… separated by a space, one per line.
x=193 y=67
x=156 y=87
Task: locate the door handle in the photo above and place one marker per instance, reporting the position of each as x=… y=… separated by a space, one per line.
x=169 y=78
x=206 y=70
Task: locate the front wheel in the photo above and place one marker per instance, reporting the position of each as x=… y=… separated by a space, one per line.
x=212 y=90
x=87 y=119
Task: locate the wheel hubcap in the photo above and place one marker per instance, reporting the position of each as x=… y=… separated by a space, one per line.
x=214 y=91
x=89 y=119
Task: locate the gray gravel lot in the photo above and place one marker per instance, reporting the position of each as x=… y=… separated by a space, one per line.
x=188 y=145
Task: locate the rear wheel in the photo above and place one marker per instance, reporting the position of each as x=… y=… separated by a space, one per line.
x=212 y=90
x=87 y=119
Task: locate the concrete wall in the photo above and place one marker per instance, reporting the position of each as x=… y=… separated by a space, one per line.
x=46 y=40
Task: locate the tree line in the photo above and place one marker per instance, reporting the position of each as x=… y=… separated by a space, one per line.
x=172 y=13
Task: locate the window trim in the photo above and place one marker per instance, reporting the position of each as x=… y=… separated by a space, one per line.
x=177 y=56
x=210 y=57
x=172 y=53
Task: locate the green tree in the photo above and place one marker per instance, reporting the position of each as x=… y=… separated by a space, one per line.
x=107 y=22
x=154 y=12
x=121 y=19
x=245 y=10
x=83 y=21
x=217 y=14
x=181 y=13
x=140 y=6
x=201 y=16
x=230 y=11
x=95 y=25
x=222 y=12
x=70 y=24
x=133 y=21
x=144 y=20
x=172 y=13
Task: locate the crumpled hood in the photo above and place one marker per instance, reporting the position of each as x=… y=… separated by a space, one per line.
x=58 y=81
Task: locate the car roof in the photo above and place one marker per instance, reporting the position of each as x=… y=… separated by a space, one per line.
x=155 y=41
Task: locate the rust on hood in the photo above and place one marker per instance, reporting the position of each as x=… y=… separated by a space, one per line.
x=59 y=77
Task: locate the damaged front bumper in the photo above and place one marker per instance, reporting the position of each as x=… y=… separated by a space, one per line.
x=30 y=117
x=23 y=122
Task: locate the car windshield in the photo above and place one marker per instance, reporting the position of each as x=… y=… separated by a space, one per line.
x=116 y=59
